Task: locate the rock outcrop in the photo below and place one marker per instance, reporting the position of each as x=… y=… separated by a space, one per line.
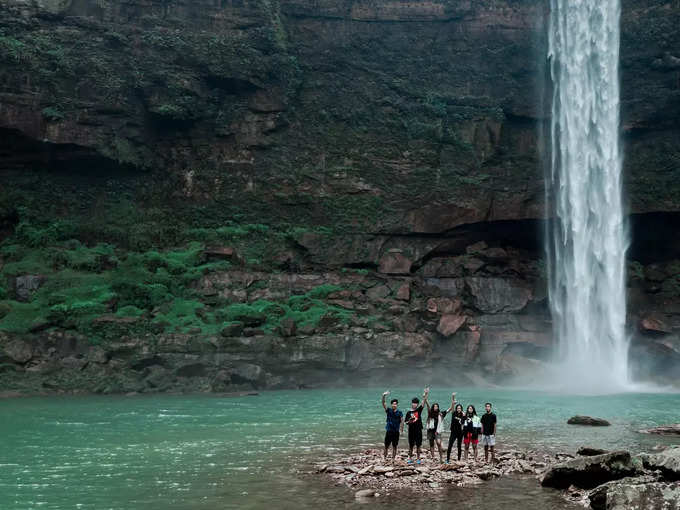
x=588 y=420
x=589 y=472
x=299 y=142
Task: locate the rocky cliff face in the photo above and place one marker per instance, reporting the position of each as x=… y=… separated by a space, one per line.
x=389 y=148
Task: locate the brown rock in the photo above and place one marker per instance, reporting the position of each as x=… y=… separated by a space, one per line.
x=444 y=305
x=472 y=344
x=404 y=292
x=287 y=327
x=653 y=323
x=476 y=248
x=222 y=253
x=450 y=323
x=378 y=292
x=19 y=351
x=394 y=263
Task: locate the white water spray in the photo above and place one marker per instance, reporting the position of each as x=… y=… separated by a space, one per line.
x=588 y=239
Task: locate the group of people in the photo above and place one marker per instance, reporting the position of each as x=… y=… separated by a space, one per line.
x=466 y=428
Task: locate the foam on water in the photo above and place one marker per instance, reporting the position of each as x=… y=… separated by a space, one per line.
x=588 y=240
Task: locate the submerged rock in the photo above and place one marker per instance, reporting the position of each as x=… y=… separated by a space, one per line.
x=589 y=472
x=588 y=420
x=664 y=430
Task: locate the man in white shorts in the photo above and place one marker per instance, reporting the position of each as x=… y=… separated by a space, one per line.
x=489 y=433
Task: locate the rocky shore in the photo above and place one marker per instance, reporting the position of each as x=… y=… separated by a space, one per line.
x=601 y=481
x=368 y=472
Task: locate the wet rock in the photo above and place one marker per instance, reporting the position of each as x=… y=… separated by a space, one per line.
x=444 y=305
x=19 y=351
x=287 y=328
x=250 y=318
x=642 y=494
x=73 y=363
x=404 y=292
x=588 y=420
x=222 y=253
x=664 y=430
x=26 y=285
x=378 y=292
x=247 y=373
x=498 y=295
x=365 y=493
x=589 y=472
x=394 y=263
x=654 y=324
x=232 y=329
x=667 y=462
x=586 y=451
x=450 y=323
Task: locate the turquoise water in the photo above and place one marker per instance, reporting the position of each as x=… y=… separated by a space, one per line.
x=204 y=452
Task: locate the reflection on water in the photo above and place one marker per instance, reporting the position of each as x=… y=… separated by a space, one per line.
x=202 y=452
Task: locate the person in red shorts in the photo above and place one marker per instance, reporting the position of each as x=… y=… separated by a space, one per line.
x=471 y=429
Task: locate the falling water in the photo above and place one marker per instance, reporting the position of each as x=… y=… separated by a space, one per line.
x=588 y=240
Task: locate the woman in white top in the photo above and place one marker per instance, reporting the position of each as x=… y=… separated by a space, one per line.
x=435 y=427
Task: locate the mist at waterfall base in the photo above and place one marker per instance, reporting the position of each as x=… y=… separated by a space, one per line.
x=587 y=241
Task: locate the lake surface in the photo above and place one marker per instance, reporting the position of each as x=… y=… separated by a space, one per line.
x=206 y=452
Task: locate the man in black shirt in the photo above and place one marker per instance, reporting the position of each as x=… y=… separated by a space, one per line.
x=415 y=427
x=489 y=433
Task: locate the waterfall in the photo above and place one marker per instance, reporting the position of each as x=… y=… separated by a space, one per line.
x=587 y=240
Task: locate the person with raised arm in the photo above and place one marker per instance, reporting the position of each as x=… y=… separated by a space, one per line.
x=457 y=421
x=393 y=426
x=415 y=427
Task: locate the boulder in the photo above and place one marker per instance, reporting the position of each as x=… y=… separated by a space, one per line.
x=26 y=285
x=365 y=493
x=19 y=351
x=450 y=323
x=394 y=263
x=287 y=327
x=636 y=494
x=588 y=420
x=498 y=295
x=586 y=451
x=378 y=292
x=589 y=472
x=231 y=329
x=654 y=324
x=222 y=253
x=667 y=461
x=664 y=430
x=444 y=305
x=404 y=292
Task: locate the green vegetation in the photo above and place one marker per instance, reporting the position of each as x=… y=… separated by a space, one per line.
x=104 y=291
x=52 y=113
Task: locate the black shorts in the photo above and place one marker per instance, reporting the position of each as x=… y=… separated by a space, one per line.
x=415 y=437
x=391 y=437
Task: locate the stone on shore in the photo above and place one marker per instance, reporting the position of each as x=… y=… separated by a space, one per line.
x=588 y=420
x=667 y=462
x=642 y=494
x=589 y=472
